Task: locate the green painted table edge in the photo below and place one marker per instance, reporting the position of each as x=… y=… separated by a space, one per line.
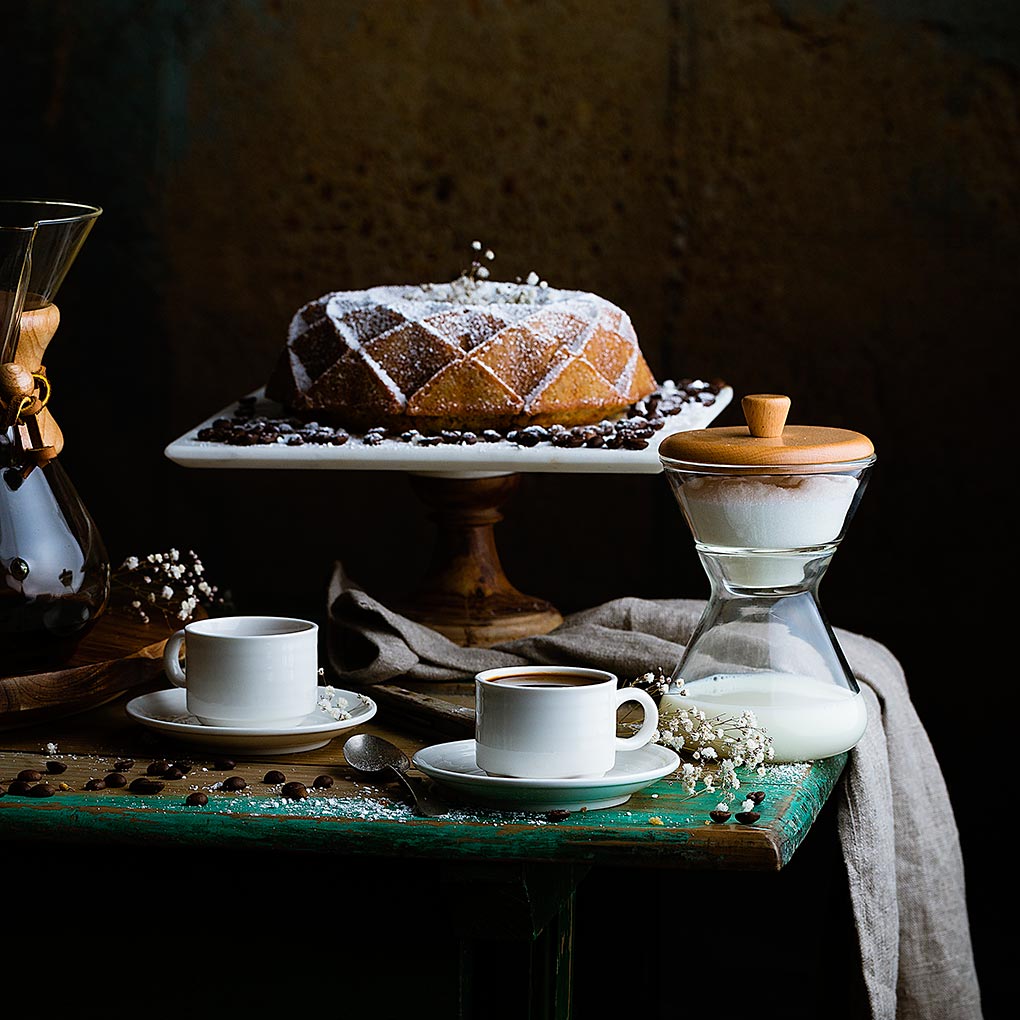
x=659 y=827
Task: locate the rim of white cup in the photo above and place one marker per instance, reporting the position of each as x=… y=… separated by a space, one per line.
x=487 y=676
x=199 y=627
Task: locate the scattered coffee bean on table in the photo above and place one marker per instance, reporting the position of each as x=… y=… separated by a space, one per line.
x=145 y=786
x=184 y=765
x=29 y=776
x=224 y=764
x=747 y=817
x=116 y=779
x=42 y=790
x=124 y=765
x=294 y=791
x=274 y=776
x=719 y=816
x=158 y=768
x=54 y=768
x=758 y=796
x=234 y=783
x=173 y=773
x=196 y=799
x=19 y=787
x=96 y=784
x=322 y=782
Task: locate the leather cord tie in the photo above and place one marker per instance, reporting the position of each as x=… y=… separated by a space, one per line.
x=20 y=403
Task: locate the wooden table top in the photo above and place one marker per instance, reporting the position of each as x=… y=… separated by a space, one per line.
x=659 y=826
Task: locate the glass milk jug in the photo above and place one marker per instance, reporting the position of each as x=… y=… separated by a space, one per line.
x=767 y=505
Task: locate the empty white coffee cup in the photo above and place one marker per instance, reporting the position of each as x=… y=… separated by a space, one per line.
x=554 y=722
x=246 y=670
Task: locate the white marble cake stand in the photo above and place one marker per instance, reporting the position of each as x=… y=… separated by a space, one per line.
x=466 y=595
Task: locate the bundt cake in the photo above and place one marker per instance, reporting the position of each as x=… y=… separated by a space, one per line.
x=470 y=354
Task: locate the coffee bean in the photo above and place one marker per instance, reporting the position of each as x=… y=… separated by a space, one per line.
x=146 y=786
x=158 y=768
x=719 y=816
x=274 y=776
x=42 y=790
x=294 y=791
x=224 y=764
x=758 y=796
x=96 y=784
x=54 y=768
x=173 y=773
x=196 y=799
x=234 y=783
x=19 y=787
x=116 y=779
x=747 y=817
x=184 y=765
x=124 y=765
x=322 y=782
x=29 y=776
x=557 y=815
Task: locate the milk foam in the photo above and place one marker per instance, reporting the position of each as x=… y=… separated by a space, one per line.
x=774 y=513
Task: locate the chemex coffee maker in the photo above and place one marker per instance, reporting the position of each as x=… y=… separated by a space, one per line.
x=54 y=571
x=768 y=504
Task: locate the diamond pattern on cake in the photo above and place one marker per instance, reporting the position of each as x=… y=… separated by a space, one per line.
x=576 y=385
x=466 y=383
x=440 y=356
x=466 y=327
x=520 y=357
x=412 y=354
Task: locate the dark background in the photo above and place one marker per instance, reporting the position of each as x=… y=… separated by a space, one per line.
x=812 y=197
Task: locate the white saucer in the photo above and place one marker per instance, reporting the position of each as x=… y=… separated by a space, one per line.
x=167 y=712
x=453 y=765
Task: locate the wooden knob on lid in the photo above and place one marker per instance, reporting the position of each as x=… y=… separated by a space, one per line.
x=765 y=414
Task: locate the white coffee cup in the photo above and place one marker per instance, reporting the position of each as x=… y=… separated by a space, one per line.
x=554 y=722
x=246 y=670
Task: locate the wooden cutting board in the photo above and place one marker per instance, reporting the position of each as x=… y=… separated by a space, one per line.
x=118 y=654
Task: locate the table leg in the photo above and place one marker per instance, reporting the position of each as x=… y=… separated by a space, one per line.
x=515 y=926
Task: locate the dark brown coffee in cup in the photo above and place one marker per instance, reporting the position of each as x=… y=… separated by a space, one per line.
x=547 y=680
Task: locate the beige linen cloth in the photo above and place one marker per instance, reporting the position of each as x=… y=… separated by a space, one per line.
x=896 y=825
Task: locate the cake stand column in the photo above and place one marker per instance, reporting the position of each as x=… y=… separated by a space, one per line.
x=466 y=596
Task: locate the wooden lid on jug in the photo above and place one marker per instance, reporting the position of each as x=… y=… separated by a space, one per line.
x=766 y=440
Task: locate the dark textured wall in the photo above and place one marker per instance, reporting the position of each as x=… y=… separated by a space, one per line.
x=807 y=196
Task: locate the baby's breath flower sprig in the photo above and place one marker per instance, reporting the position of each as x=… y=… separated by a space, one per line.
x=714 y=748
x=171 y=583
x=465 y=289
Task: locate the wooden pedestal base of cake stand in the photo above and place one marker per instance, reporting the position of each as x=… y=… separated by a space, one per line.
x=466 y=596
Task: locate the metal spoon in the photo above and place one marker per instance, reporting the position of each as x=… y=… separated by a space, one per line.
x=369 y=753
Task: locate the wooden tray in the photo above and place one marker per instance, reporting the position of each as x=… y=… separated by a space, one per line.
x=118 y=654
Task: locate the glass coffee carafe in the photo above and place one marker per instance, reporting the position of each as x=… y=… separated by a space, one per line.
x=54 y=571
x=768 y=504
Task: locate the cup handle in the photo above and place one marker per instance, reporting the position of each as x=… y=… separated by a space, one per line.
x=651 y=721
x=172 y=662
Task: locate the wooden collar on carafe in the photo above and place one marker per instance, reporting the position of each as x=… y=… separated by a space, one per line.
x=25 y=393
